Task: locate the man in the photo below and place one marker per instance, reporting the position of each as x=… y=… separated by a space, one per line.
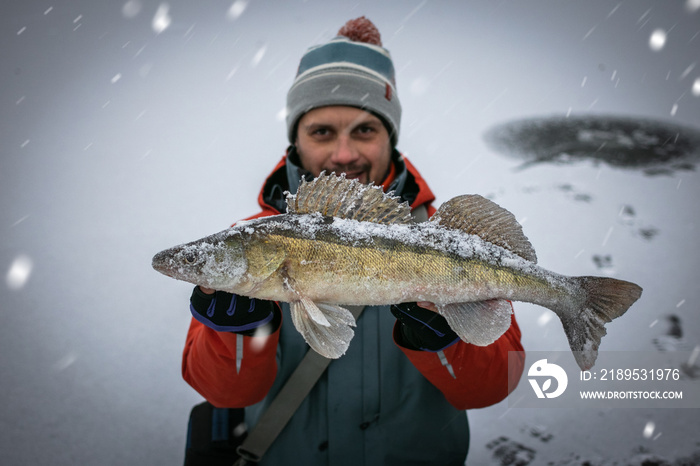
x=396 y=397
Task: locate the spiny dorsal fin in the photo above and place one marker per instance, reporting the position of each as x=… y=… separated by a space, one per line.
x=336 y=196
x=476 y=215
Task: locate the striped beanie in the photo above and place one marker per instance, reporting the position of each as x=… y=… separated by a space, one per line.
x=353 y=69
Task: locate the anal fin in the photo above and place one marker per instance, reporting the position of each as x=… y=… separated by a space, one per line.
x=310 y=319
x=314 y=312
x=479 y=323
x=325 y=327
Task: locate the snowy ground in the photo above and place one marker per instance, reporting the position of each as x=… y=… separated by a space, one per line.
x=133 y=126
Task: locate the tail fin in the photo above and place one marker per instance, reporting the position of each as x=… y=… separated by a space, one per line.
x=604 y=299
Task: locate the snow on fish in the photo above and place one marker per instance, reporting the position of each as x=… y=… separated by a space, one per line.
x=343 y=243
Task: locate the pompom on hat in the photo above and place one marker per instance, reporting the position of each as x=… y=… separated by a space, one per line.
x=352 y=69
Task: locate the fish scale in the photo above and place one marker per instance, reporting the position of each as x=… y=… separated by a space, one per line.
x=393 y=270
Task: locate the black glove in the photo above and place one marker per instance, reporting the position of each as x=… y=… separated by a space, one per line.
x=422 y=329
x=226 y=312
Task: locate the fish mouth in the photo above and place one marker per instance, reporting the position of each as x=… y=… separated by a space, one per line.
x=161 y=263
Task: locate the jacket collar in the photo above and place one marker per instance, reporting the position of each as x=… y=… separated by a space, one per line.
x=285 y=177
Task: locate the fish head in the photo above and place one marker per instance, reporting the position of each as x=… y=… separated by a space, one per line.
x=217 y=261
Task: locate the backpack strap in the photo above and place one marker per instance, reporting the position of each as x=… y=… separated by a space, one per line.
x=285 y=404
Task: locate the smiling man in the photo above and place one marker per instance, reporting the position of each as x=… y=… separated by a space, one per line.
x=397 y=396
x=344 y=140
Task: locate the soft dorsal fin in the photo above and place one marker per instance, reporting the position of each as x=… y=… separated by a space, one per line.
x=336 y=196
x=476 y=215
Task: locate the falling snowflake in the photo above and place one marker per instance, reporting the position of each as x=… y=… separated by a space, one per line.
x=19 y=272
x=420 y=85
x=232 y=72
x=260 y=338
x=237 y=9
x=544 y=319
x=161 y=21
x=692 y=5
x=131 y=8
x=657 y=40
x=607 y=235
x=282 y=114
x=65 y=362
x=696 y=87
x=258 y=56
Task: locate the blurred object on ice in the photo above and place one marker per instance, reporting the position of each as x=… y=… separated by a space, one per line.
x=648 y=459
x=672 y=339
x=604 y=263
x=691 y=368
x=675 y=329
x=642 y=456
x=628 y=217
x=538 y=432
x=569 y=190
x=509 y=452
x=654 y=146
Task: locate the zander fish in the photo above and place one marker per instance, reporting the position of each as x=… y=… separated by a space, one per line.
x=344 y=243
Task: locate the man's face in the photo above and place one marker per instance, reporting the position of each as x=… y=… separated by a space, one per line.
x=344 y=140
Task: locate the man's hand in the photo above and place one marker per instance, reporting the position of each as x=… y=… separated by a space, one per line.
x=421 y=327
x=226 y=312
x=427 y=305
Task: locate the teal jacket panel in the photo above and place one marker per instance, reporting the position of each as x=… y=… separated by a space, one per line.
x=371 y=406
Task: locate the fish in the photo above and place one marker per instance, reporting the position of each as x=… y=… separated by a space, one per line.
x=343 y=243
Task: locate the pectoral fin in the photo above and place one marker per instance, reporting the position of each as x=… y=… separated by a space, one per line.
x=326 y=328
x=479 y=323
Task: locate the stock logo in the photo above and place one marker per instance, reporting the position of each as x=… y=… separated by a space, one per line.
x=542 y=370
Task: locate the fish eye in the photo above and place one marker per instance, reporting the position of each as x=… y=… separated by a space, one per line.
x=190 y=257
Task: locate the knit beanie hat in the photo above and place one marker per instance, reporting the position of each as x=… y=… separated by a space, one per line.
x=352 y=69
